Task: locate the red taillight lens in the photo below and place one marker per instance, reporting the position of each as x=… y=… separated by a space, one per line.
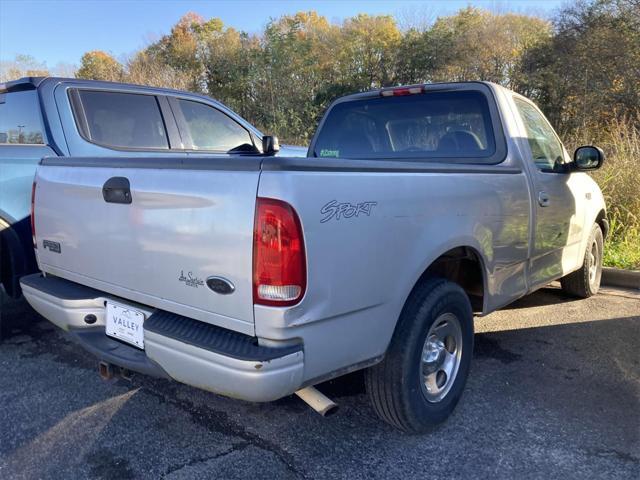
x=279 y=263
x=33 y=216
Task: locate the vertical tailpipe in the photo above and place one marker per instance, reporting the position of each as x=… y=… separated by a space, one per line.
x=316 y=400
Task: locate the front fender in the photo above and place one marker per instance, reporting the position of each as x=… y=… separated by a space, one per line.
x=596 y=207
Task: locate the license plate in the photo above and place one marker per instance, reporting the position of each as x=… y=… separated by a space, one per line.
x=125 y=324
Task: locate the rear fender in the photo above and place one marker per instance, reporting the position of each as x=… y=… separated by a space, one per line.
x=466 y=242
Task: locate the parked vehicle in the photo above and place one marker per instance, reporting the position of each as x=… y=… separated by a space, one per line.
x=257 y=277
x=37 y=120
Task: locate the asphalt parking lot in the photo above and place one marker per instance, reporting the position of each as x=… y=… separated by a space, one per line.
x=554 y=392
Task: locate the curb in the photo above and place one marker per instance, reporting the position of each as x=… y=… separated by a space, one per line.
x=616 y=277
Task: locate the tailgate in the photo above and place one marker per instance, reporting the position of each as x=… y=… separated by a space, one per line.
x=187 y=220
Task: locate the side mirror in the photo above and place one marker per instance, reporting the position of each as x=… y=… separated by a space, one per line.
x=270 y=145
x=588 y=158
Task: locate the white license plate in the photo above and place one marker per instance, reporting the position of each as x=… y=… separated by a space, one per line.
x=125 y=324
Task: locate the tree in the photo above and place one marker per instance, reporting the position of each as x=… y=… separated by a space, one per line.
x=146 y=69
x=98 y=65
x=232 y=67
x=583 y=67
x=476 y=44
x=22 y=66
x=368 y=48
x=182 y=48
x=589 y=71
x=299 y=59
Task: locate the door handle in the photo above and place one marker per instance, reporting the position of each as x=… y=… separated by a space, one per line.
x=117 y=190
x=543 y=199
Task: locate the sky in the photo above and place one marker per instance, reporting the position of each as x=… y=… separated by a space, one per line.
x=60 y=31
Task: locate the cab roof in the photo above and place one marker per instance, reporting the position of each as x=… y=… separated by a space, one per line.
x=24 y=83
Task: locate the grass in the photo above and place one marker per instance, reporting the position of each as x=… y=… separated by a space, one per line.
x=623 y=253
x=622 y=248
x=619 y=180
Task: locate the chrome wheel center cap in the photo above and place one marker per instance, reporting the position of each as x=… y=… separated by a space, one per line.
x=433 y=352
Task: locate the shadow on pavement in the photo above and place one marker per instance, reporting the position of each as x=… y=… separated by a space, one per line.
x=17 y=317
x=559 y=400
x=542 y=297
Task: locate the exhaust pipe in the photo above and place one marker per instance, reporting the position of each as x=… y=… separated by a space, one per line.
x=318 y=401
x=106 y=371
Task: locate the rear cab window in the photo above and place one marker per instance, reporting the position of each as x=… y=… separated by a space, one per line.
x=439 y=126
x=120 y=120
x=20 y=119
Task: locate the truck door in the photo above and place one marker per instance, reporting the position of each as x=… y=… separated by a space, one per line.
x=558 y=213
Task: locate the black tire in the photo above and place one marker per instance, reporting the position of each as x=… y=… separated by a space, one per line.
x=396 y=385
x=585 y=282
x=7 y=269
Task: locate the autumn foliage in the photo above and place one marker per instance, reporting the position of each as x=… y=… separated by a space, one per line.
x=582 y=68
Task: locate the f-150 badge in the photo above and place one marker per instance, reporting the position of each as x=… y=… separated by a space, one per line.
x=335 y=210
x=51 y=246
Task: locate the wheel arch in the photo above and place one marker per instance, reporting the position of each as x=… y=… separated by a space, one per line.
x=603 y=222
x=462 y=264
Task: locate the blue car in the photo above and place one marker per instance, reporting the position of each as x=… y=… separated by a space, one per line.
x=49 y=117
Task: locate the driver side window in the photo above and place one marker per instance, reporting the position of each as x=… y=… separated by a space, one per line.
x=545 y=147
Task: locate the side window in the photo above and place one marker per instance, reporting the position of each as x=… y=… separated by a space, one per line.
x=545 y=146
x=20 y=121
x=210 y=129
x=122 y=120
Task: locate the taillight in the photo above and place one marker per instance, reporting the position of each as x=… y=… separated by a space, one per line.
x=402 y=91
x=279 y=263
x=33 y=216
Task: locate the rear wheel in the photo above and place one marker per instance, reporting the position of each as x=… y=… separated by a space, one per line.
x=422 y=377
x=585 y=282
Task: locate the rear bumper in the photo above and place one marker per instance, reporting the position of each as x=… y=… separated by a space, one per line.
x=186 y=350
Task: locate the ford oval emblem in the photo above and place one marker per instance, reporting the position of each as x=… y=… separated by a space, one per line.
x=220 y=285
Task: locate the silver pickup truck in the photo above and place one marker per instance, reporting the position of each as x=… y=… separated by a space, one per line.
x=260 y=276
